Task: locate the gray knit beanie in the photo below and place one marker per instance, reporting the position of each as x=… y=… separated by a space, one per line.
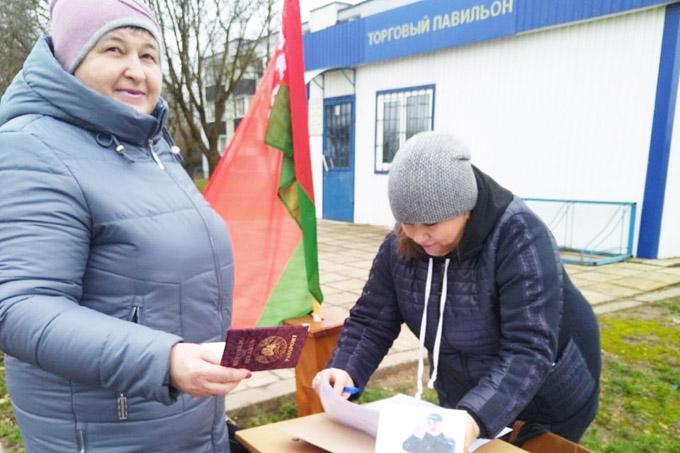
x=431 y=179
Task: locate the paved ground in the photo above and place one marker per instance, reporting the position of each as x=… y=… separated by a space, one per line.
x=346 y=252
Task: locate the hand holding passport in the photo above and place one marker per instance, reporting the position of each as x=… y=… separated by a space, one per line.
x=264 y=348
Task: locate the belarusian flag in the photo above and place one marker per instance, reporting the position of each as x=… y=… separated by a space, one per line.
x=263 y=189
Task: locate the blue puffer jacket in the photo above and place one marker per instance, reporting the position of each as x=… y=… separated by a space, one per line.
x=107 y=259
x=518 y=339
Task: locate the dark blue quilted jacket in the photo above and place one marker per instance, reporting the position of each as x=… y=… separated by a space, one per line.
x=517 y=335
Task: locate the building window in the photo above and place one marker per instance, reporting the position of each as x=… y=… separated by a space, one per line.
x=210 y=111
x=338 y=133
x=240 y=106
x=400 y=114
x=222 y=144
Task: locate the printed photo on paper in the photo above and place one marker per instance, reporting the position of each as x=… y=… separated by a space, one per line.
x=420 y=430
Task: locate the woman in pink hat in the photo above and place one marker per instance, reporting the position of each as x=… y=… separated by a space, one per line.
x=113 y=268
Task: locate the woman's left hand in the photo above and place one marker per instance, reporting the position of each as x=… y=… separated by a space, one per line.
x=195 y=369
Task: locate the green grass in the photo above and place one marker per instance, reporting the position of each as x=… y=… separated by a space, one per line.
x=280 y=409
x=9 y=433
x=375 y=392
x=640 y=396
x=640 y=401
x=200 y=183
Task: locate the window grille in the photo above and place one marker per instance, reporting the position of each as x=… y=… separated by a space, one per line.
x=400 y=114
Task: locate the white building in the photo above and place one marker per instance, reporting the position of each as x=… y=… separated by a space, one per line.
x=565 y=100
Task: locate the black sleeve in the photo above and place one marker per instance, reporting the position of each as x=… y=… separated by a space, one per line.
x=412 y=444
x=529 y=286
x=373 y=324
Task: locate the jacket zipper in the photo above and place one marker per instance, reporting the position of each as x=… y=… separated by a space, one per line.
x=205 y=224
x=81 y=441
x=218 y=275
x=122 y=405
x=155 y=157
x=122 y=400
x=135 y=314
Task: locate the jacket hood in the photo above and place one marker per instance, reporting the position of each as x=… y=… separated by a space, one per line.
x=43 y=87
x=492 y=199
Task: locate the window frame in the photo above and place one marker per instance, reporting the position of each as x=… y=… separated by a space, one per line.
x=241 y=104
x=335 y=102
x=380 y=167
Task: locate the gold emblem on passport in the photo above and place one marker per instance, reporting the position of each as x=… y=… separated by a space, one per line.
x=270 y=350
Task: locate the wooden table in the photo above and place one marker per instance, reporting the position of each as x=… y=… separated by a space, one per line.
x=316 y=353
x=286 y=437
x=270 y=438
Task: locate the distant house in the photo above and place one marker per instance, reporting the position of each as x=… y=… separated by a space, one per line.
x=241 y=96
x=238 y=103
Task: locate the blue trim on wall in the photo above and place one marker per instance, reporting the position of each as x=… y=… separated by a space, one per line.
x=337 y=46
x=662 y=133
x=380 y=37
x=534 y=14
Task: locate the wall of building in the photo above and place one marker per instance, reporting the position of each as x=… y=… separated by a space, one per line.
x=561 y=113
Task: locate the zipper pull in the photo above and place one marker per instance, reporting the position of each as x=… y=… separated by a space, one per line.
x=155 y=156
x=122 y=407
x=134 y=314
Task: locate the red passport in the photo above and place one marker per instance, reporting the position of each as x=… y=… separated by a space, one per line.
x=264 y=348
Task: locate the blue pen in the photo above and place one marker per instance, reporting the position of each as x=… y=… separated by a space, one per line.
x=350 y=390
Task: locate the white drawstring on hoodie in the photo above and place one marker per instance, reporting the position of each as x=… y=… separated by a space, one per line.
x=423 y=329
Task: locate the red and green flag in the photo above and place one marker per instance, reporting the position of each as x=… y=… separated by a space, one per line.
x=263 y=189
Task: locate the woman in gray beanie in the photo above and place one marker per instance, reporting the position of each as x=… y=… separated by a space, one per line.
x=477 y=277
x=113 y=268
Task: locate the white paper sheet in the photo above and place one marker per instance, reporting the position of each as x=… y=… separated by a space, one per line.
x=481 y=441
x=402 y=424
x=365 y=417
x=357 y=416
x=411 y=401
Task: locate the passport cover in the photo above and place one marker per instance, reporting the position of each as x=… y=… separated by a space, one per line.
x=264 y=348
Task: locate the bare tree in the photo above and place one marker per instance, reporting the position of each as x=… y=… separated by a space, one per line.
x=21 y=22
x=209 y=46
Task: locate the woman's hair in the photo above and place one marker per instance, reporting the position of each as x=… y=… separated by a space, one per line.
x=407 y=247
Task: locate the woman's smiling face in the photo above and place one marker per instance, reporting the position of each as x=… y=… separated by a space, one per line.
x=124 y=65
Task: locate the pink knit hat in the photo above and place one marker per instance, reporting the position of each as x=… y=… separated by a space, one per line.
x=77 y=25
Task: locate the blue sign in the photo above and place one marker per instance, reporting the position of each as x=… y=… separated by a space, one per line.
x=433 y=25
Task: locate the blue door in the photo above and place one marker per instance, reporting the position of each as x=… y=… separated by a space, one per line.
x=338 y=158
